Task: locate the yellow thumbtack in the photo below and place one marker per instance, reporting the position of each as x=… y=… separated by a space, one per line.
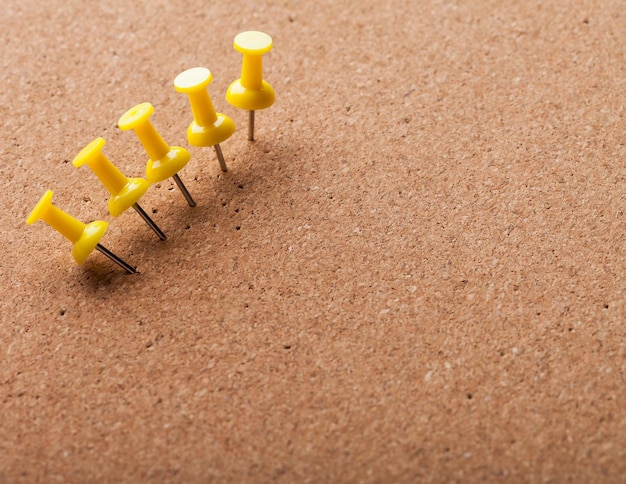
x=251 y=92
x=165 y=161
x=208 y=128
x=125 y=192
x=85 y=238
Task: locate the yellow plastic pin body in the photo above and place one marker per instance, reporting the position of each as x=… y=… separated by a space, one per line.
x=84 y=237
x=208 y=127
x=165 y=161
x=251 y=92
x=125 y=192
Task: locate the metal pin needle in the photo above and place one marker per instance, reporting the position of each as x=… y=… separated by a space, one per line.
x=149 y=221
x=251 y=126
x=183 y=189
x=127 y=267
x=220 y=157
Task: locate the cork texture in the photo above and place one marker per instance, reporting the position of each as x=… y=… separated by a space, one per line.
x=415 y=273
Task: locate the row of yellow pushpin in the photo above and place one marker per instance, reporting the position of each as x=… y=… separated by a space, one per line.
x=208 y=128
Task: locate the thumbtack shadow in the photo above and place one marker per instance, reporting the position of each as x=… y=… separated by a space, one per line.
x=257 y=164
x=98 y=272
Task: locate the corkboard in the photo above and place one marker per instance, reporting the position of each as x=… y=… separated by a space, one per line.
x=415 y=273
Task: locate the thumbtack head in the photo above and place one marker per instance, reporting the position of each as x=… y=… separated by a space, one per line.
x=253 y=43
x=42 y=205
x=89 y=240
x=208 y=127
x=88 y=152
x=167 y=166
x=135 y=115
x=251 y=92
x=193 y=80
x=213 y=134
x=128 y=196
x=125 y=192
x=85 y=238
x=165 y=161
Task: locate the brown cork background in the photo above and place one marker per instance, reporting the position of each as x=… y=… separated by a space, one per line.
x=416 y=273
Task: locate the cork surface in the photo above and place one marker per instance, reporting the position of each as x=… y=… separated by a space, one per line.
x=415 y=273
